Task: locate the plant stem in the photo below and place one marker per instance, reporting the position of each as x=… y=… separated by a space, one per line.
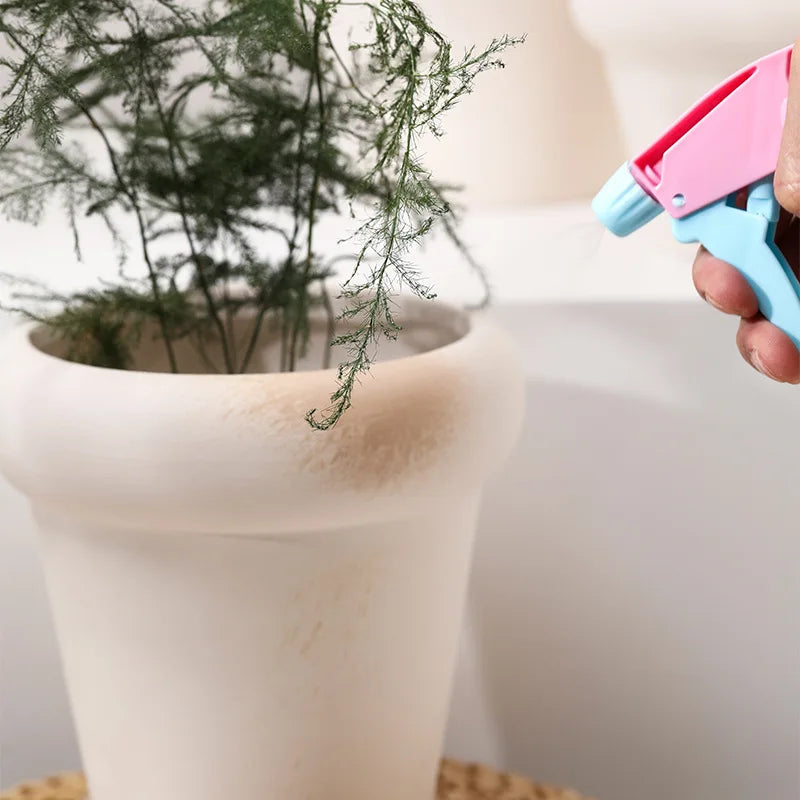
x=229 y=325
x=358 y=346
x=129 y=192
x=296 y=207
x=284 y=339
x=199 y=345
x=331 y=330
x=301 y=317
x=251 y=346
x=184 y=217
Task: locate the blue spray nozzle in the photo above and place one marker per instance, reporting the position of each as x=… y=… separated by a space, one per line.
x=622 y=205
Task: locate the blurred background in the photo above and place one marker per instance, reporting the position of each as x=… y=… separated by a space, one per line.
x=633 y=621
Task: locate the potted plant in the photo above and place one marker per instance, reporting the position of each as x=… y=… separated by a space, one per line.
x=254 y=598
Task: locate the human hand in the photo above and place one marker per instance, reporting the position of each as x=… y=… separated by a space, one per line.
x=761 y=344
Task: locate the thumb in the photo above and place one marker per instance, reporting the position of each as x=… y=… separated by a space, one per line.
x=787 y=173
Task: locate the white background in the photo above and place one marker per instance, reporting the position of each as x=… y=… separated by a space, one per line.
x=632 y=626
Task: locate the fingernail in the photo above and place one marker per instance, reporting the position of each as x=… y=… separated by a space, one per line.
x=755 y=360
x=712 y=301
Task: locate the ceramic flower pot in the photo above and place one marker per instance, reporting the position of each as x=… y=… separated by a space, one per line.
x=526 y=141
x=660 y=57
x=246 y=607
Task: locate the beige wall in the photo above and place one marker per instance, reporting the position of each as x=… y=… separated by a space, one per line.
x=541 y=130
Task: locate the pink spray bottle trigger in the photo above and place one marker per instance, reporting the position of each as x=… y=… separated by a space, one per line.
x=728 y=141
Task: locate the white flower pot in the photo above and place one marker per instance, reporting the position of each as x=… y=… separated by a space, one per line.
x=522 y=139
x=662 y=56
x=248 y=608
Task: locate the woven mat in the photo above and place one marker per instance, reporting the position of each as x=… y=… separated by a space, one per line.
x=457 y=781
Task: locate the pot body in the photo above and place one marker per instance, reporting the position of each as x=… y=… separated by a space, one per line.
x=247 y=607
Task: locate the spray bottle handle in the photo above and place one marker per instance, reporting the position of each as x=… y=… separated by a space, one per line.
x=746 y=239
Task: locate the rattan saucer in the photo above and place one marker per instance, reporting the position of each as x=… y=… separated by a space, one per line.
x=457 y=781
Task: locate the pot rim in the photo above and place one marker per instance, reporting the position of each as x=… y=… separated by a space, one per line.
x=232 y=453
x=463 y=322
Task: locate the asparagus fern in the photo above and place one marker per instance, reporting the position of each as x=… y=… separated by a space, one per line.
x=228 y=129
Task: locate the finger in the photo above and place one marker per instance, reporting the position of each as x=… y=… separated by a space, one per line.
x=723 y=286
x=787 y=174
x=769 y=350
